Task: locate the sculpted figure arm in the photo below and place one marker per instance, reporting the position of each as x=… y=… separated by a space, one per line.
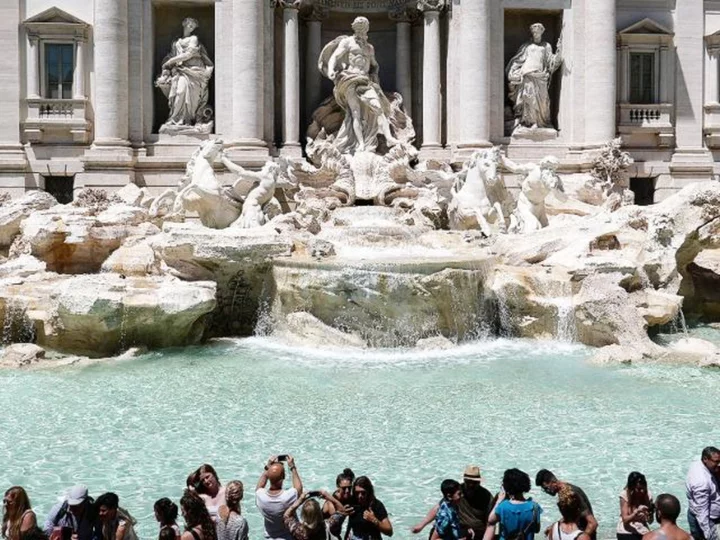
x=336 y=57
x=374 y=68
x=237 y=169
x=515 y=167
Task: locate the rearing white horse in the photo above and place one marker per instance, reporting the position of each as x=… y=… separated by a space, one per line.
x=480 y=198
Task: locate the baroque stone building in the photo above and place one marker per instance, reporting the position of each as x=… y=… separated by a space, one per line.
x=81 y=105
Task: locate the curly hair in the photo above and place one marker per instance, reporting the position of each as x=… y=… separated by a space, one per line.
x=569 y=504
x=515 y=482
x=196 y=515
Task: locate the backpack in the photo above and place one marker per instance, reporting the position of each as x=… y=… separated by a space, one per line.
x=522 y=533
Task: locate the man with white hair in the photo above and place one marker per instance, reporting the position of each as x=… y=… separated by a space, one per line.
x=349 y=61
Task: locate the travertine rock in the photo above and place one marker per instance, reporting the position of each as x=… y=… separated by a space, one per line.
x=20 y=355
x=101 y=315
x=73 y=240
x=13 y=213
x=237 y=260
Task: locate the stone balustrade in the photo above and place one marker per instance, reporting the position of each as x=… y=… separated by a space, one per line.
x=646 y=124
x=56 y=120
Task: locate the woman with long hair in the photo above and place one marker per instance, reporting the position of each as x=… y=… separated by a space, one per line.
x=198 y=523
x=519 y=518
x=370 y=518
x=636 y=508
x=206 y=483
x=232 y=525
x=312 y=525
x=570 y=506
x=18 y=516
x=166 y=513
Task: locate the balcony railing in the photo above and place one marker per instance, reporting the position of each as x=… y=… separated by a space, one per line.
x=56 y=120
x=650 y=115
x=646 y=125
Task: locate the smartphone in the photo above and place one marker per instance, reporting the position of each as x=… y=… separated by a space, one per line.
x=314 y=494
x=282 y=457
x=66 y=533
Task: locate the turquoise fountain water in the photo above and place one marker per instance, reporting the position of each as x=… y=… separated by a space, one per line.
x=407 y=419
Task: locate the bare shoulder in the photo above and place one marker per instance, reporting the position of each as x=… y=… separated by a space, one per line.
x=186 y=536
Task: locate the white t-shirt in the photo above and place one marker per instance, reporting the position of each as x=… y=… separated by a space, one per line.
x=272 y=508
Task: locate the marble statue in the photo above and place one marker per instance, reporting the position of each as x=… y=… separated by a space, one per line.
x=539 y=180
x=184 y=80
x=349 y=61
x=480 y=199
x=253 y=207
x=529 y=73
x=202 y=192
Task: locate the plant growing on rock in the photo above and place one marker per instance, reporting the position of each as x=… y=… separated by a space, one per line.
x=608 y=171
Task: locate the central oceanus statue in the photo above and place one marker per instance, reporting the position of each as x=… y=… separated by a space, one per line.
x=372 y=121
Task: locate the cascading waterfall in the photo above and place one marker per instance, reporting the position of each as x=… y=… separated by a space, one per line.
x=17 y=327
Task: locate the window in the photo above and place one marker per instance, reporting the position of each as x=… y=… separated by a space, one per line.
x=642 y=78
x=644 y=190
x=60 y=187
x=59 y=65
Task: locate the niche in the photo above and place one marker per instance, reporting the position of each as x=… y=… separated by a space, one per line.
x=517 y=32
x=167 y=28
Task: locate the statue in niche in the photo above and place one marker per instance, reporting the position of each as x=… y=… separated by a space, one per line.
x=184 y=80
x=529 y=73
x=349 y=61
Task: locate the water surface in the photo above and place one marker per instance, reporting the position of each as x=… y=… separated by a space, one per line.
x=406 y=419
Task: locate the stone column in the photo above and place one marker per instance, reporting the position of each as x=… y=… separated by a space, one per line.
x=625 y=74
x=33 y=68
x=691 y=160
x=432 y=84
x=79 y=73
x=403 y=18
x=269 y=77
x=713 y=75
x=291 y=79
x=111 y=73
x=313 y=78
x=248 y=77
x=600 y=70
x=13 y=162
x=474 y=71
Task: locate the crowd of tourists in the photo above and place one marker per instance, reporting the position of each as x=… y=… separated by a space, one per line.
x=212 y=510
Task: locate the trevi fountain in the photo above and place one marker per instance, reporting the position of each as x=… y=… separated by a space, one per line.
x=361 y=297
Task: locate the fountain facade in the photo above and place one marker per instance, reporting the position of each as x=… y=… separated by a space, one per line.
x=365 y=241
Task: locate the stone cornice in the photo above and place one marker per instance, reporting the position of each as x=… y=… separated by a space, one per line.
x=360 y=4
x=406 y=14
x=286 y=4
x=431 y=5
x=315 y=13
